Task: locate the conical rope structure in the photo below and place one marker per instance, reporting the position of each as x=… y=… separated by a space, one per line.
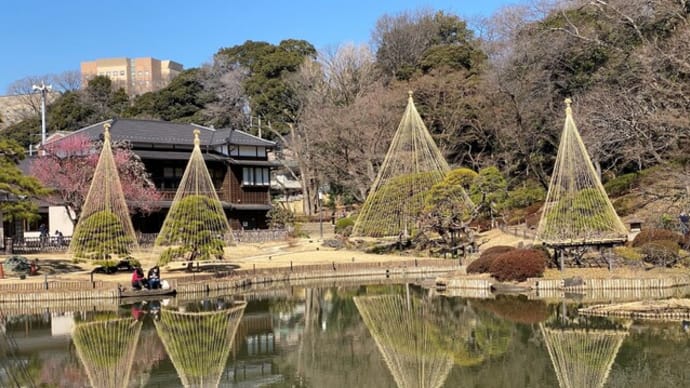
x=199 y=343
x=107 y=350
x=413 y=164
x=105 y=227
x=577 y=210
x=582 y=358
x=196 y=223
x=403 y=334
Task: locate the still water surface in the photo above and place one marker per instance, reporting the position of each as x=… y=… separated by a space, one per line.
x=364 y=336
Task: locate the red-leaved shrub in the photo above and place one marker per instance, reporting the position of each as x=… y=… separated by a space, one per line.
x=518 y=265
x=482 y=264
x=516 y=308
x=652 y=234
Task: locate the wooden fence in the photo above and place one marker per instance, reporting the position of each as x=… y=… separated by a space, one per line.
x=54 y=289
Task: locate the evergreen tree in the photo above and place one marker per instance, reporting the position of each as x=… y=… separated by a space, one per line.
x=21 y=188
x=192 y=230
x=100 y=235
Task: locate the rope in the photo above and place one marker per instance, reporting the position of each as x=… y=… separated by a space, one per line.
x=105 y=227
x=413 y=164
x=196 y=220
x=403 y=336
x=107 y=349
x=582 y=358
x=577 y=208
x=199 y=343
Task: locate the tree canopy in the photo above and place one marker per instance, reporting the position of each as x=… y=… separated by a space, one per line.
x=19 y=187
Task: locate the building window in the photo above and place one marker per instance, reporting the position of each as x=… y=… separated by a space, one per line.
x=247 y=151
x=122 y=72
x=255 y=176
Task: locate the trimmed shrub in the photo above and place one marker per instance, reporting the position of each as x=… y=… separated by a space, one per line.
x=519 y=265
x=621 y=184
x=344 y=226
x=654 y=234
x=628 y=253
x=661 y=252
x=482 y=264
x=496 y=251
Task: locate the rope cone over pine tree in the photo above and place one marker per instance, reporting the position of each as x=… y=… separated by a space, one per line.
x=105 y=228
x=413 y=164
x=577 y=210
x=196 y=226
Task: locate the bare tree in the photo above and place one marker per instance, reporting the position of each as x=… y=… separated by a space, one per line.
x=22 y=89
x=67 y=81
x=401 y=40
x=224 y=81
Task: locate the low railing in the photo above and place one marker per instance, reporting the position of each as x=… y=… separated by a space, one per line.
x=29 y=245
x=259 y=235
x=519 y=231
x=34 y=245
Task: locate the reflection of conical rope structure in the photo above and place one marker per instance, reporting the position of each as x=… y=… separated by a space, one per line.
x=403 y=335
x=577 y=209
x=582 y=358
x=196 y=220
x=199 y=343
x=107 y=349
x=104 y=226
x=13 y=371
x=412 y=166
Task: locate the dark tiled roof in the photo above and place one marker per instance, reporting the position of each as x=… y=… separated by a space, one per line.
x=174 y=155
x=165 y=132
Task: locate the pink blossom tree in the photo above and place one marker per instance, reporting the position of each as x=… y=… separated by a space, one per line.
x=67 y=166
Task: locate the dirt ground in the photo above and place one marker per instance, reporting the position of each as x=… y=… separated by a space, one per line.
x=301 y=252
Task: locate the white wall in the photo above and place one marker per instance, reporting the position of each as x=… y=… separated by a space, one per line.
x=59 y=220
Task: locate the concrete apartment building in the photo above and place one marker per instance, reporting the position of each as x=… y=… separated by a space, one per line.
x=135 y=75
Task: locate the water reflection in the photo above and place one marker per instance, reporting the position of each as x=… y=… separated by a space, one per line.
x=13 y=370
x=106 y=348
x=583 y=349
x=340 y=337
x=198 y=339
x=421 y=339
x=407 y=338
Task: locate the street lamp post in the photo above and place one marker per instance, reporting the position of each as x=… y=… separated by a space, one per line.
x=320 y=214
x=44 y=89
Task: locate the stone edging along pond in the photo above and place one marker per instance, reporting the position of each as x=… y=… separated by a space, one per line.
x=56 y=290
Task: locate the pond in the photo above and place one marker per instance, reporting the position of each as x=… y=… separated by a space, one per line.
x=384 y=335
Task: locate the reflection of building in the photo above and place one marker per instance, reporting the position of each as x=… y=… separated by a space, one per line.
x=135 y=75
x=255 y=348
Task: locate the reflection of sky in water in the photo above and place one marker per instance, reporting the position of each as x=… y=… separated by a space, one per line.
x=318 y=337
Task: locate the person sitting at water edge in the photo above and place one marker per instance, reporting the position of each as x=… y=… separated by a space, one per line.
x=154 y=277
x=138 y=279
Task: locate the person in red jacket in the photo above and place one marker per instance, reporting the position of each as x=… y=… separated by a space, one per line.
x=138 y=279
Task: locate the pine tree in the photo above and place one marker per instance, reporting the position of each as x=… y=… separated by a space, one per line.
x=100 y=235
x=19 y=187
x=193 y=227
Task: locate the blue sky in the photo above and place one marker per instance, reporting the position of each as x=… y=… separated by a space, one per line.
x=50 y=36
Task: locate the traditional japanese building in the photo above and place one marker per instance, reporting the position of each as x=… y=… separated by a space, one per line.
x=237 y=162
